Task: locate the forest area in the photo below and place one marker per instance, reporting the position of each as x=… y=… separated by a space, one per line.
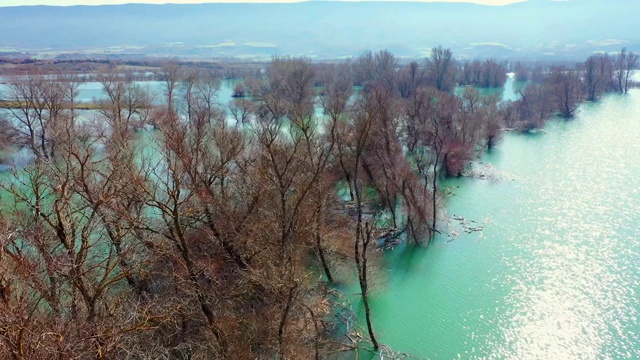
x=190 y=229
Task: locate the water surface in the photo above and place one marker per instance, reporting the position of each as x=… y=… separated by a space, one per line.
x=554 y=274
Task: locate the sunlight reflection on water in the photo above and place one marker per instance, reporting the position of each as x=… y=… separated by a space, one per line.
x=554 y=275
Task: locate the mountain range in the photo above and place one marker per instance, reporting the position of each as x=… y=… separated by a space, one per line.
x=534 y=29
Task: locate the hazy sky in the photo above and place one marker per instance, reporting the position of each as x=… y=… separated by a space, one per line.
x=102 y=2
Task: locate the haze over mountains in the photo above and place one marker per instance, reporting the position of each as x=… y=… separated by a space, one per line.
x=536 y=29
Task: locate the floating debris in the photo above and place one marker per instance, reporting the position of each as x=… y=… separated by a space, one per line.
x=460 y=225
x=485 y=171
x=390 y=239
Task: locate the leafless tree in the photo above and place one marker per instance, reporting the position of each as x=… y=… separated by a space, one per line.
x=567 y=91
x=170 y=76
x=37 y=104
x=70 y=291
x=441 y=68
x=379 y=68
x=483 y=74
x=410 y=78
x=596 y=75
x=625 y=64
x=363 y=122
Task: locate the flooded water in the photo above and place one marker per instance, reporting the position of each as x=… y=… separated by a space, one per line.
x=554 y=272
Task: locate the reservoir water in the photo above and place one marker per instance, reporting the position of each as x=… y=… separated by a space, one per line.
x=554 y=274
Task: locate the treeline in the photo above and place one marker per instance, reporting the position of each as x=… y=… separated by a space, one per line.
x=483 y=74
x=142 y=69
x=559 y=90
x=201 y=238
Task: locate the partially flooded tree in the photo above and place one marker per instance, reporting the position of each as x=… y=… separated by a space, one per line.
x=338 y=89
x=71 y=295
x=5 y=138
x=409 y=78
x=293 y=160
x=567 y=91
x=195 y=239
x=239 y=91
x=379 y=68
x=494 y=121
x=596 y=74
x=624 y=65
x=334 y=102
x=382 y=160
x=363 y=122
x=522 y=72
x=487 y=74
x=36 y=104
x=423 y=141
x=533 y=107
x=240 y=110
x=441 y=69
x=170 y=75
x=126 y=106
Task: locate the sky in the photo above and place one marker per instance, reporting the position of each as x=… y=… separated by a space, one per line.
x=104 y=2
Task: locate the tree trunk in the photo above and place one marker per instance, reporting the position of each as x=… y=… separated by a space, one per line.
x=434 y=189
x=318 y=246
x=323 y=260
x=283 y=320
x=361 y=263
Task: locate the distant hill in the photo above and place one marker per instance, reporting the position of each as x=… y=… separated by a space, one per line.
x=325 y=29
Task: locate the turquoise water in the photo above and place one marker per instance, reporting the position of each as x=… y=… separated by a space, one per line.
x=93 y=91
x=554 y=272
x=507 y=92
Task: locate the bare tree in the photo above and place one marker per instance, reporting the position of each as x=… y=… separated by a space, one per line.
x=363 y=124
x=126 y=107
x=486 y=74
x=170 y=75
x=625 y=64
x=36 y=104
x=429 y=124
x=379 y=68
x=441 y=69
x=533 y=107
x=567 y=91
x=595 y=75
x=410 y=78
x=70 y=287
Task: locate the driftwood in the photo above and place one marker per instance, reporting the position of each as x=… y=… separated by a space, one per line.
x=466 y=226
x=390 y=239
x=486 y=171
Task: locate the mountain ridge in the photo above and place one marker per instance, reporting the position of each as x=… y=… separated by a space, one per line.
x=325 y=29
